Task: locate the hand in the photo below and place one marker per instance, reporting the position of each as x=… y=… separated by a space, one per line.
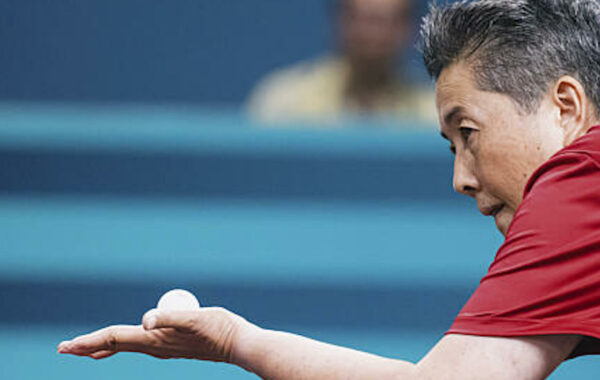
x=206 y=334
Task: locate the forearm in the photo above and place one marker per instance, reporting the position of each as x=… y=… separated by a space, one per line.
x=275 y=355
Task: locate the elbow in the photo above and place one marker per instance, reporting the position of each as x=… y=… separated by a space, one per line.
x=406 y=371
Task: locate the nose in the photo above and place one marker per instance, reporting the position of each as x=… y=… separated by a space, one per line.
x=464 y=180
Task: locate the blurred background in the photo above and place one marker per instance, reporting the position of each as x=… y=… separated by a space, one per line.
x=278 y=158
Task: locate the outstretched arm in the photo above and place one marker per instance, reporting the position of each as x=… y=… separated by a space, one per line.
x=276 y=355
x=218 y=335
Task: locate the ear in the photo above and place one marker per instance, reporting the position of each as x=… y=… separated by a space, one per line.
x=569 y=96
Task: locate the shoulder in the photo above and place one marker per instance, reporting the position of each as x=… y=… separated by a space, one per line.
x=560 y=199
x=301 y=74
x=291 y=91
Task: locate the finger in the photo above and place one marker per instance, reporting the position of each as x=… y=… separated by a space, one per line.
x=62 y=346
x=103 y=354
x=114 y=338
x=183 y=321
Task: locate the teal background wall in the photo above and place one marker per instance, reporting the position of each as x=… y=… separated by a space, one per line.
x=349 y=236
x=192 y=51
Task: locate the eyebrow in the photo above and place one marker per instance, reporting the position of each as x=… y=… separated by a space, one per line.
x=452 y=114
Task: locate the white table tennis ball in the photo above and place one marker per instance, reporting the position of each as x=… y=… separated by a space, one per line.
x=178 y=299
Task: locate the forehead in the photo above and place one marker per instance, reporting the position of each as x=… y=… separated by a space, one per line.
x=456 y=89
x=455 y=84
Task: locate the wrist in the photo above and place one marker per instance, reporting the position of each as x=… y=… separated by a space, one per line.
x=245 y=344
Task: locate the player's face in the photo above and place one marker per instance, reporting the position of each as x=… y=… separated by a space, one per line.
x=497 y=145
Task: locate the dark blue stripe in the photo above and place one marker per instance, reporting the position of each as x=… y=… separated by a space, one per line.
x=216 y=175
x=421 y=307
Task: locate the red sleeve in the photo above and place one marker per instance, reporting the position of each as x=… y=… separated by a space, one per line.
x=545 y=278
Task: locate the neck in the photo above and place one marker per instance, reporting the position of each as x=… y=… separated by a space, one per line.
x=368 y=82
x=590 y=121
x=370 y=75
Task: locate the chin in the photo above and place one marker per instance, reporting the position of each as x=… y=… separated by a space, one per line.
x=503 y=220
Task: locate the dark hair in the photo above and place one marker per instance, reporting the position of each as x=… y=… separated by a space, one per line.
x=517 y=47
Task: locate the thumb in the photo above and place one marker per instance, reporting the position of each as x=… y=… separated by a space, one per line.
x=180 y=320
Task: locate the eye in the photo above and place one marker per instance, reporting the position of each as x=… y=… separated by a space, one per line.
x=465 y=133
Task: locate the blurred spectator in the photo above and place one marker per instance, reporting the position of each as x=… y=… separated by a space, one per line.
x=363 y=78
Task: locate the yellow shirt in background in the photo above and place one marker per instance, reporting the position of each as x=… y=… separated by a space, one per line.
x=315 y=91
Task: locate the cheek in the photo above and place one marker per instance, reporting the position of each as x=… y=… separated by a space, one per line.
x=501 y=173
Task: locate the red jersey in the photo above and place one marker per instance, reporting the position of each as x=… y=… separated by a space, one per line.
x=545 y=278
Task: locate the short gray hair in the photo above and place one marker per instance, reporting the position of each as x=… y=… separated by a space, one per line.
x=517 y=47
